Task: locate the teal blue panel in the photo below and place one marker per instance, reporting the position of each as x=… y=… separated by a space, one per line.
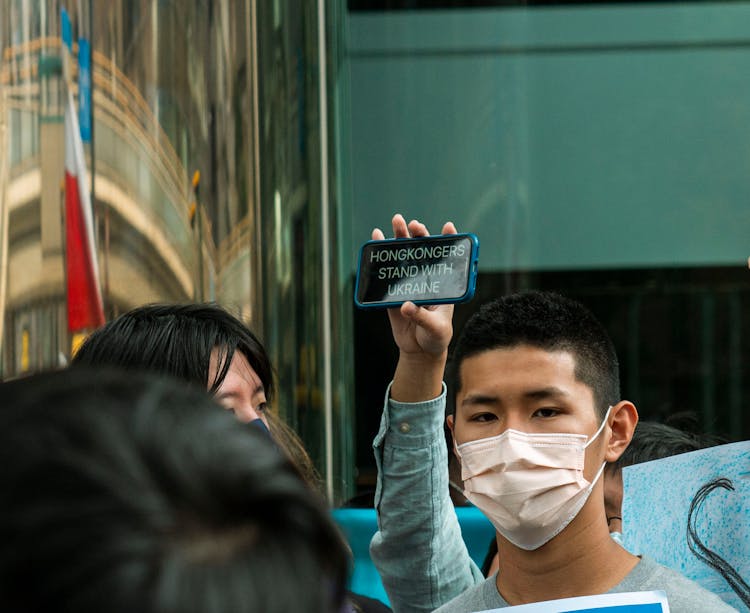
x=359 y=526
x=565 y=138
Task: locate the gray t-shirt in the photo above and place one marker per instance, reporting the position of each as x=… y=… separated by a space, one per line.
x=684 y=596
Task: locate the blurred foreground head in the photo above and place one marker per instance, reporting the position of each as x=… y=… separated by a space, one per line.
x=122 y=492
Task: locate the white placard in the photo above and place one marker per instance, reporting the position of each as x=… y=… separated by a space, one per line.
x=625 y=602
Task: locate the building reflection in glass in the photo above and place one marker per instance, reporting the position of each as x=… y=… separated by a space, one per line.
x=205 y=178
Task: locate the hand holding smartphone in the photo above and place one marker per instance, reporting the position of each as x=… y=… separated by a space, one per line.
x=437 y=269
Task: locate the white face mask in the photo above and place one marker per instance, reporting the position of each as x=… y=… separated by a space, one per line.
x=530 y=486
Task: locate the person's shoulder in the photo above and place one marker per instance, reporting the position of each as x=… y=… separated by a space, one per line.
x=683 y=594
x=481 y=597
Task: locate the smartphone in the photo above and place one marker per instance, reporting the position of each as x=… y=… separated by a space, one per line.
x=438 y=269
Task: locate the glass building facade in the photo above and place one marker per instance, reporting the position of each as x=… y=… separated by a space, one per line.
x=242 y=150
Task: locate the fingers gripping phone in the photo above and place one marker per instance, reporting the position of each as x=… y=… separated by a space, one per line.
x=437 y=269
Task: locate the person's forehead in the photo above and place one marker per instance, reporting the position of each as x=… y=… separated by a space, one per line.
x=522 y=369
x=520 y=357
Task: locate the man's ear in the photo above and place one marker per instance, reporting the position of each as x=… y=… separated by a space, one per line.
x=622 y=421
x=451 y=424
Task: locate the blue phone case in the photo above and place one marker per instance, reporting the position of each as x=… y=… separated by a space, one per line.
x=438 y=265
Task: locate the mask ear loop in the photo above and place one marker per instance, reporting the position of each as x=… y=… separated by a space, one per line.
x=599 y=431
x=597 y=476
x=591 y=440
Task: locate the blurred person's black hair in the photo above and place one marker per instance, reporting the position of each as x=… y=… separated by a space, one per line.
x=653 y=441
x=126 y=492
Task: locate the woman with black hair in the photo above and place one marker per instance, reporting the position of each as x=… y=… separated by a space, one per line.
x=204 y=345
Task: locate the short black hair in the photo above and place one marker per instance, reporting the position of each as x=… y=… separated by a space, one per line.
x=548 y=321
x=123 y=492
x=177 y=340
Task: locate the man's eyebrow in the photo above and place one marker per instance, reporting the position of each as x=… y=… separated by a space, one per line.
x=471 y=399
x=546 y=393
x=543 y=393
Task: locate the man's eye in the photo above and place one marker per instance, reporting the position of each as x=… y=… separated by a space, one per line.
x=483 y=417
x=546 y=412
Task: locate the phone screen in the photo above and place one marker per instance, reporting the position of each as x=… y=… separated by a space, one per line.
x=429 y=270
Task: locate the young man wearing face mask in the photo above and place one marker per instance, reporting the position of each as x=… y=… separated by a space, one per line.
x=537 y=417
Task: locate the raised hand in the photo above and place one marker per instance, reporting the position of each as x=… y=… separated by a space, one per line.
x=422 y=333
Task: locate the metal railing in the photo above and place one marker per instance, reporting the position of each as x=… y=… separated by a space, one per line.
x=4 y=216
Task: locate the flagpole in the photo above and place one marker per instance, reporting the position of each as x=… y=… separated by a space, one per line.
x=92 y=152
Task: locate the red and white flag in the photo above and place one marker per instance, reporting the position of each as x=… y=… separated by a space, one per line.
x=84 y=292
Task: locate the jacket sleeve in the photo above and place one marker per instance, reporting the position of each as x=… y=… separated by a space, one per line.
x=418 y=548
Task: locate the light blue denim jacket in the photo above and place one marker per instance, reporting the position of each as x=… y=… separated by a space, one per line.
x=418 y=548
